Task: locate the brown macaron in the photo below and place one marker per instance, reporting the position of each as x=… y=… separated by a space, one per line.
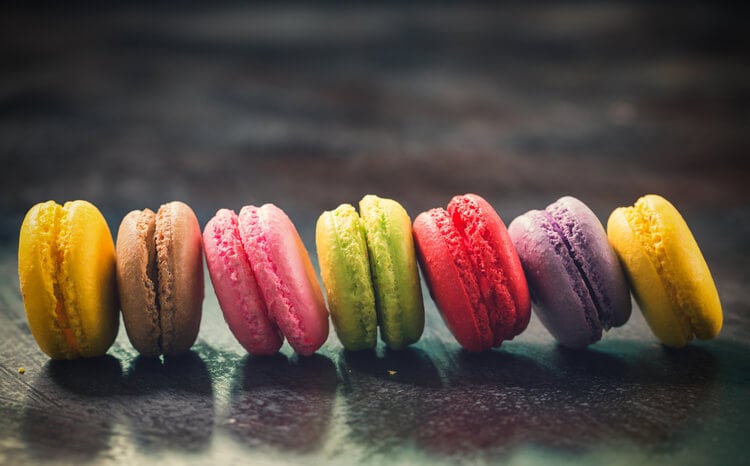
x=160 y=278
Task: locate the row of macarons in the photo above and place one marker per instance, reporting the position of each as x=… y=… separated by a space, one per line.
x=482 y=276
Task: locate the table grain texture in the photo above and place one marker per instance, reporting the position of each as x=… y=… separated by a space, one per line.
x=309 y=106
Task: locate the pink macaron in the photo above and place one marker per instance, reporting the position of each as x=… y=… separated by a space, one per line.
x=264 y=280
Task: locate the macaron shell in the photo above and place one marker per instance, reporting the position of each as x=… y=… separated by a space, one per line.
x=449 y=274
x=66 y=266
x=137 y=280
x=236 y=288
x=669 y=276
x=181 y=284
x=502 y=279
x=88 y=267
x=37 y=273
x=596 y=259
x=285 y=276
x=652 y=297
x=560 y=299
x=345 y=270
x=393 y=263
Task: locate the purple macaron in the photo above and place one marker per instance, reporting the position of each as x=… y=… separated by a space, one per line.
x=577 y=284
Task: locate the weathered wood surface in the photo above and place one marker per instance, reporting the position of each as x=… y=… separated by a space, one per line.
x=309 y=107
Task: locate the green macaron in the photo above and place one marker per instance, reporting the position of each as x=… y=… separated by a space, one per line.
x=369 y=270
x=345 y=269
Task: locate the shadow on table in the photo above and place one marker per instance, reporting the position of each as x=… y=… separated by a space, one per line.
x=733 y=361
x=281 y=402
x=568 y=400
x=168 y=404
x=410 y=366
x=385 y=395
x=67 y=413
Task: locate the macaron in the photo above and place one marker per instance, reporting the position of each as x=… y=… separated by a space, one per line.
x=264 y=280
x=576 y=281
x=160 y=278
x=670 y=279
x=369 y=270
x=66 y=269
x=473 y=272
x=345 y=269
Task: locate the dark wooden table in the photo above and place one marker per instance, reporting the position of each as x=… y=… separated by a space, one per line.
x=309 y=107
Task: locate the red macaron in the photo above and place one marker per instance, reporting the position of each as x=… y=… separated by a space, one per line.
x=473 y=272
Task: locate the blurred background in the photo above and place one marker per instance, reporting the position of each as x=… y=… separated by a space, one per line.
x=309 y=106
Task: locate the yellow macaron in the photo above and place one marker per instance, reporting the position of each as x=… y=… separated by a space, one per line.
x=66 y=269
x=667 y=272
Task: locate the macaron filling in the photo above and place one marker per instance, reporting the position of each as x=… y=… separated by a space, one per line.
x=495 y=295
